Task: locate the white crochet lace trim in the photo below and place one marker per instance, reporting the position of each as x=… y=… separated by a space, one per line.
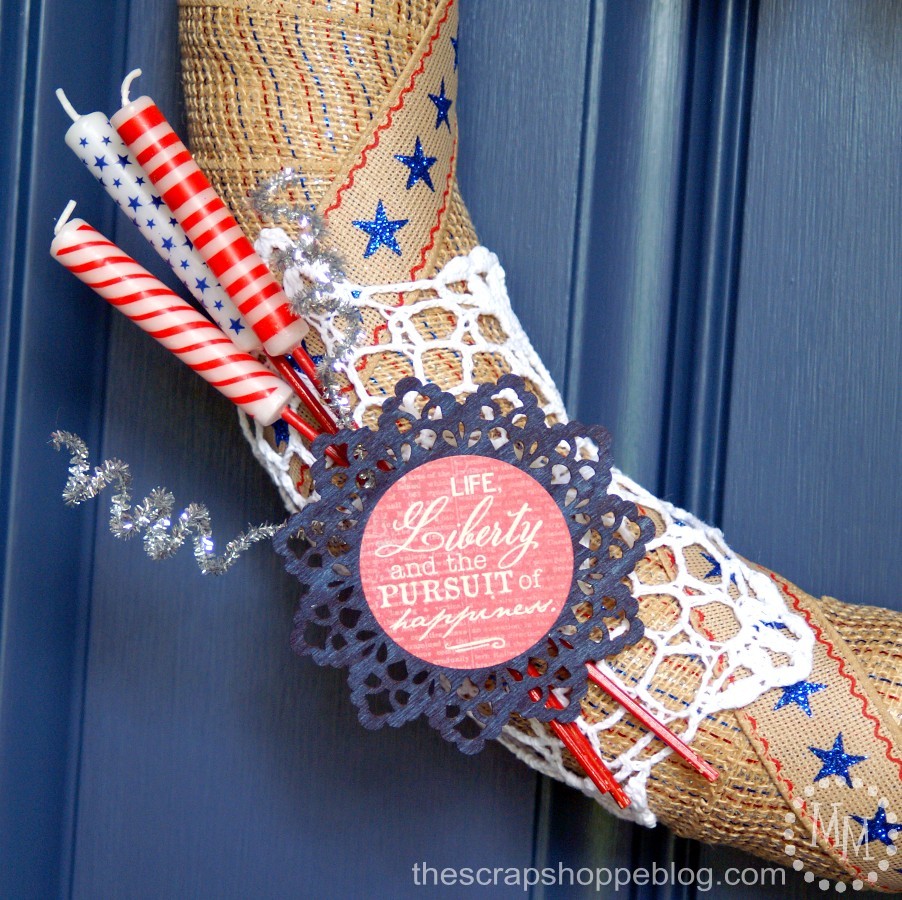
x=768 y=647
x=771 y=647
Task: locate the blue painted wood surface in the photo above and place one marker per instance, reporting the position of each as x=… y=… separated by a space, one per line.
x=812 y=481
x=52 y=363
x=705 y=251
x=772 y=283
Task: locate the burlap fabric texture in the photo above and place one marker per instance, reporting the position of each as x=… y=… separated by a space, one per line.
x=273 y=84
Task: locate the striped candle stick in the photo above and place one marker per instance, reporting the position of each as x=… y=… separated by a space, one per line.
x=209 y=225
x=95 y=142
x=180 y=328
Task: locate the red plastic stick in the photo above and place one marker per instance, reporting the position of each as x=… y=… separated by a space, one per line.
x=616 y=692
x=569 y=734
x=581 y=747
x=306 y=364
x=311 y=400
x=306 y=430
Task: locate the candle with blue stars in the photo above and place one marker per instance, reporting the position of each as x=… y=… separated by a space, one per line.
x=97 y=144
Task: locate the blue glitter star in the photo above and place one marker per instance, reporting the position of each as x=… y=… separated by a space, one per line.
x=83 y=142
x=799 y=693
x=201 y=284
x=184 y=263
x=168 y=243
x=218 y=304
x=280 y=431
x=878 y=829
x=235 y=325
x=454 y=45
x=106 y=140
x=117 y=182
x=100 y=162
x=714 y=571
x=157 y=201
x=139 y=180
x=442 y=105
x=151 y=224
x=188 y=243
x=419 y=165
x=172 y=222
x=134 y=203
x=836 y=761
x=381 y=231
x=124 y=161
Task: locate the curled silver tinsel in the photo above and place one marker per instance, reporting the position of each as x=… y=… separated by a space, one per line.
x=264 y=196
x=313 y=278
x=163 y=535
x=311 y=265
x=329 y=378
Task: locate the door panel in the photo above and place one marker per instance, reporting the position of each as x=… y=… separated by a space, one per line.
x=812 y=484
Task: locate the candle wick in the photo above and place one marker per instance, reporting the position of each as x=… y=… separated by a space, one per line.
x=64 y=217
x=66 y=105
x=127 y=84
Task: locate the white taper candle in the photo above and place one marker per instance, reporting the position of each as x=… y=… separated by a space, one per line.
x=95 y=142
x=166 y=317
x=208 y=223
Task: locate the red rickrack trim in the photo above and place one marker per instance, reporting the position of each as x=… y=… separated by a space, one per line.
x=438 y=222
x=802 y=810
x=854 y=690
x=753 y=722
x=399 y=103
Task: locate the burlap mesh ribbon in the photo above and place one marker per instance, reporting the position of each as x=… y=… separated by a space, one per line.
x=311 y=85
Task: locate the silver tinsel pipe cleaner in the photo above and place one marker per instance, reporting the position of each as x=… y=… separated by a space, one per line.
x=163 y=535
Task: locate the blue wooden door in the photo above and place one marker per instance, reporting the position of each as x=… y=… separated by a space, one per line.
x=704 y=247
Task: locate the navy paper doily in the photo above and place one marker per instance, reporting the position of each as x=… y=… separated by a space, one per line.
x=321 y=546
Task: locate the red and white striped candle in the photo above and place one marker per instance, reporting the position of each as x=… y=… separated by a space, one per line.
x=197 y=342
x=94 y=141
x=209 y=225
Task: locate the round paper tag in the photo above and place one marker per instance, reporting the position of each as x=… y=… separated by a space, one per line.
x=466 y=561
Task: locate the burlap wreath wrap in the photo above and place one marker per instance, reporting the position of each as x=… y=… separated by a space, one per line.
x=271 y=85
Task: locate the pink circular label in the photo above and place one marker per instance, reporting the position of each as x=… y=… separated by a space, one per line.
x=466 y=562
